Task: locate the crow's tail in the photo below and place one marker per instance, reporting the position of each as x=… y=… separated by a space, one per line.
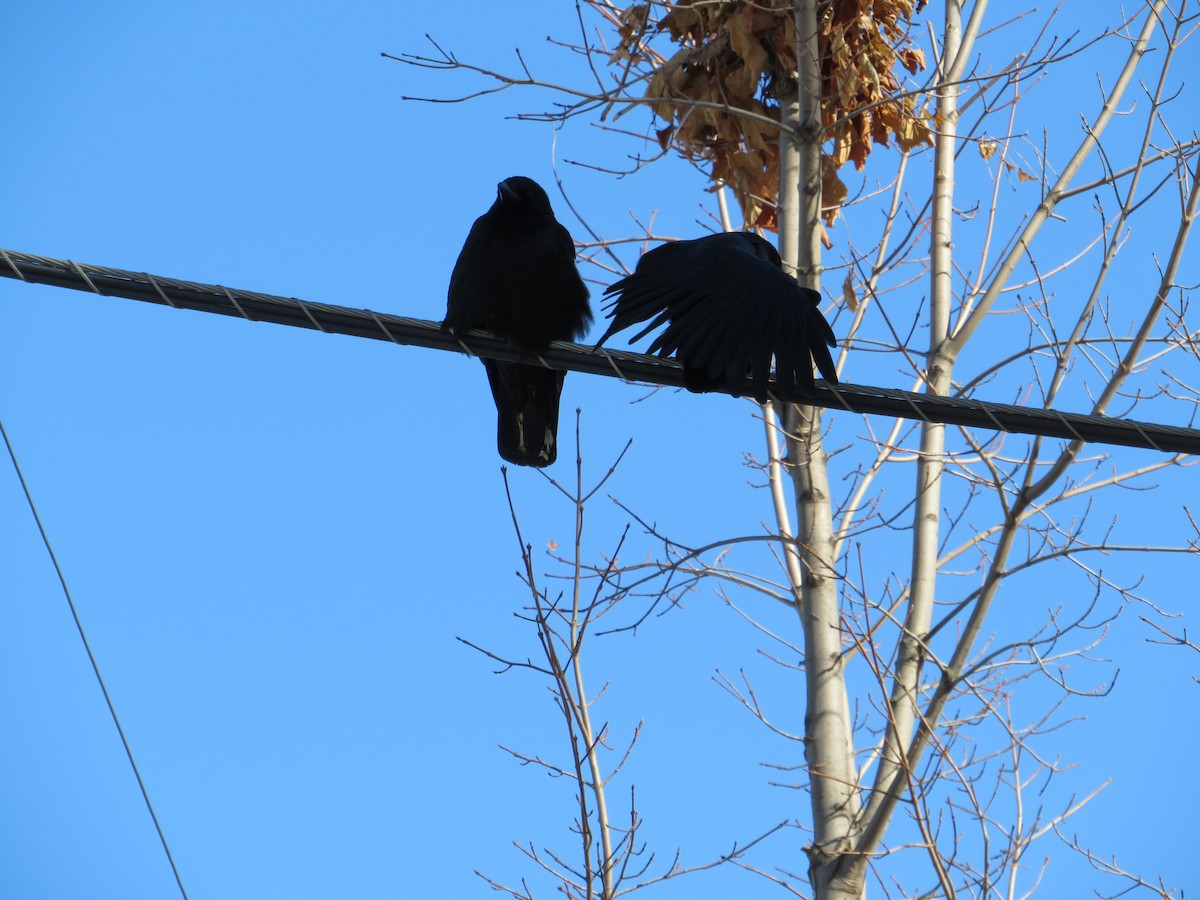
x=527 y=411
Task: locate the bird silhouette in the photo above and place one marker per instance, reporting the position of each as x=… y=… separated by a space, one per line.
x=516 y=278
x=729 y=310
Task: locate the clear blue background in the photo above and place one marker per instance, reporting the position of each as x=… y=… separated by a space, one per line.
x=274 y=537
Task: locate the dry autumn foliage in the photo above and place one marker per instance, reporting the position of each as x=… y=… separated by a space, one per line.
x=738 y=57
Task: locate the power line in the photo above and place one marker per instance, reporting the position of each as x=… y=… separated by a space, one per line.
x=112 y=710
x=258 y=307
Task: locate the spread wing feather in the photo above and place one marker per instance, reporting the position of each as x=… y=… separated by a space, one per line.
x=729 y=310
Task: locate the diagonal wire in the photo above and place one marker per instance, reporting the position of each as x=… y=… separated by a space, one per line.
x=91 y=657
x=858 y=398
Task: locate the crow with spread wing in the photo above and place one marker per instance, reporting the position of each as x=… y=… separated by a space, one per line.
x=516 y=278
x=729 y=309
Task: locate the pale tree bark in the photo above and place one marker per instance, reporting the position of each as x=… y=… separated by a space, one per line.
x=846 y=836
x=829 y=748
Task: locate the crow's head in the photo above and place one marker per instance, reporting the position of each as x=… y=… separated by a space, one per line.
x=519 y=195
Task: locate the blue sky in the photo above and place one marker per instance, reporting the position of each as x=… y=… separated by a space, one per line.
x=274 y=537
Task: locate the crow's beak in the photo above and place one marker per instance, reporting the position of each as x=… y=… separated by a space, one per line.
x=505 y=193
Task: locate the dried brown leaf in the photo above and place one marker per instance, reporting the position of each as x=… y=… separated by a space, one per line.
x=848 y=295
x=630 y=31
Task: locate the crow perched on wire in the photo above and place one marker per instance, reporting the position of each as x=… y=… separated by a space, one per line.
x=516 y=278
x=730 y=308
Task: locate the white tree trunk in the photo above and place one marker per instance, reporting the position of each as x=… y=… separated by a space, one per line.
x=829 y=749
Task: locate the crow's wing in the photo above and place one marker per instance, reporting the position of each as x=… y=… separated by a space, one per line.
x=469 y=281
x=521 y=284
x=728 y=310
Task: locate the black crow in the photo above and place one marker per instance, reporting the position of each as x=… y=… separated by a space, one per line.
x=516 y=278
x=730 y=309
